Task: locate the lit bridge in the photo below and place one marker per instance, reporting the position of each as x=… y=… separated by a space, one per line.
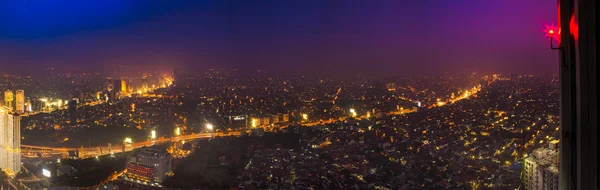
x=34 y=151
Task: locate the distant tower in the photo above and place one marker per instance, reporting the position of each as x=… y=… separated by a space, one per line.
x=116 y=85
x=8 y=99
x=123 y=86
x=73 y=111
x=109 y=84
x=20 y=101
x=144 y=81
x=28 y=106
x=10 y=141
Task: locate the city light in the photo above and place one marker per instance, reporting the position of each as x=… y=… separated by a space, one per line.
x=305 y=117
x=128 y=140
x=177 y=131
x=353 y=112
x=153 y=134
x=254 y=122
x=46 y=173
x=209 y=126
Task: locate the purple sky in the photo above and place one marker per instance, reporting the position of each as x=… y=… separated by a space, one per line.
x=395 y=36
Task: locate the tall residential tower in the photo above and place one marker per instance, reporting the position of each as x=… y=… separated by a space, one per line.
x=10 y=141
x=8 y=99
x=20 y=101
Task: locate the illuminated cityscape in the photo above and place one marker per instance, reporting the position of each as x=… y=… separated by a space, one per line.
x=298 y=95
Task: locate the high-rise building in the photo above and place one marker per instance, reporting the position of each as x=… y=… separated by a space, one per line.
x=8 y=99
x=10 y=141
x=123 y=86
x=28 y=106
x=20 y=101
x=116 y=85
x=73 y=111
x=109 y=84
x=150 y=164
x=540 y=170
x=144 y=82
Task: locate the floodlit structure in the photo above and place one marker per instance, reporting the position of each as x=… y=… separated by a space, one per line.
x=123 y=86
x=20 y=101
x=144 y=82
x=177 y=131
x=10 y=141
x=8 y=99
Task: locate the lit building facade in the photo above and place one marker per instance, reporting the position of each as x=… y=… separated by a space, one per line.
x=391 y=86
x=256 y=121
x=20 y=101
x=540 y=169
x=8 y=99
x=123 y=86
x=10 y=141
x=150 y=164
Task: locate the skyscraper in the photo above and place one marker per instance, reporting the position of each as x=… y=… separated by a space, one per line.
x=10 y=141
x=144 y=81
x=109 y=84
x=123 y=86
x=8 y=99
x=116 y=85
x=20 y=101
x=73 y=111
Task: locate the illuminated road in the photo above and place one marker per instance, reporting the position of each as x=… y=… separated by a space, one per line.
x=31 y=151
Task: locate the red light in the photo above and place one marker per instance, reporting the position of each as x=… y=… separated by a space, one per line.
x=550 y=30
x=558 y=36
x=574 y=27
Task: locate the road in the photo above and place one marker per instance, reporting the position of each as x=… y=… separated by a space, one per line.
x=31 y=150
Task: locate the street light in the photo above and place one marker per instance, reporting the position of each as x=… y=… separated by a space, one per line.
x=153 y=134
x=304 y=116
x=128 y=140
x=209 y=126
x=353 y=112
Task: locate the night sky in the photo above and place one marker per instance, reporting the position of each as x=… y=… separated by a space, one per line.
x=395 y=36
